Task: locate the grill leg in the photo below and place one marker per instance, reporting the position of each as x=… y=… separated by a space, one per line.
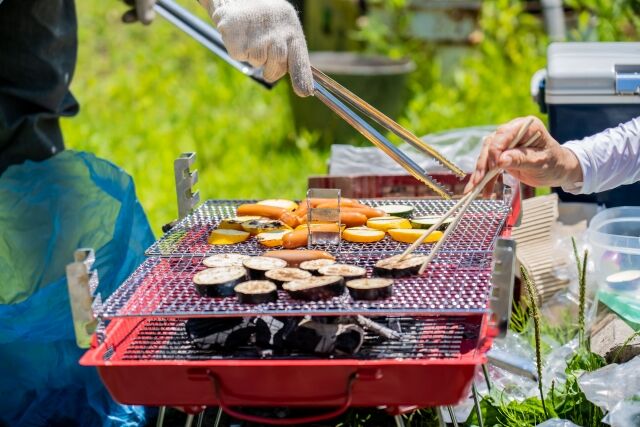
x=218 y=418
x=476 y=405
x=485 y=371
x=189 y=421
x=160 y=420
x=453 y=416
x=439 y=412
x=399 y=421
x=201 y=418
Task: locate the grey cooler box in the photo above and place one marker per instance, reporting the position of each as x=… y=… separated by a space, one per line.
x=587 y=88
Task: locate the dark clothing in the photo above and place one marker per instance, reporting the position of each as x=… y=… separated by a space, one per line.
x=38 y=49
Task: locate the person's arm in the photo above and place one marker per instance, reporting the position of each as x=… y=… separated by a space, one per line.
x=608 y=159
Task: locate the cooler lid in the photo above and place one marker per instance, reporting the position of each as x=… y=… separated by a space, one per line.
x=593 y=73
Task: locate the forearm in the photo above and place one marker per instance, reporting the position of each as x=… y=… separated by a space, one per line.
x=608 y=159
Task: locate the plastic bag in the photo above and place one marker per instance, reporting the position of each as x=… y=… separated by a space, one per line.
x=48 y=210
x=463 y=145
x=616 y=389
x=557 y=422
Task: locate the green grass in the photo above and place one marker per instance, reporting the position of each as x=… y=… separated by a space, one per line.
x=149 y=93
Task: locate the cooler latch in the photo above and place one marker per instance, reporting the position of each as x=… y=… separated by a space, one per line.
x=627 y=80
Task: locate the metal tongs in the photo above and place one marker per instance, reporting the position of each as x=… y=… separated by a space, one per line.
x=336 y=96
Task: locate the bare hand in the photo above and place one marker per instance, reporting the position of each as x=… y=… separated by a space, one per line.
x=543 y=163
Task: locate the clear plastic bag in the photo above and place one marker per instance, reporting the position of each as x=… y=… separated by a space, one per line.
x=616 y=389
x=557 y=422
x=463 y=145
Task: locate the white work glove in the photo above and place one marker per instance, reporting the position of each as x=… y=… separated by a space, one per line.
x=265 y=33
x=142 y=11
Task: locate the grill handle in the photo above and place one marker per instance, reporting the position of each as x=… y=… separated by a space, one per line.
x=288 y=421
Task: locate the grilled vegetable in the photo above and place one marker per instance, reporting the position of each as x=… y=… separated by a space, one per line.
x=296 y=239
x=315 y=288
x=295 y=257
x=225 y=260
x=227 y=237
x=345 y=270
x=425 y=222
x=287 y=274
x=272 y=212
x=362 y=235
x=394 y=267
x=411 y=235
x=235 y=223
x=262 y=225
x=259 y=265
x=388 y=222
x=272 y=238
x=256 y=292
x=218 y=282
x=370 y=289
x=313 y=265
x=280 y=203
x=403 y=211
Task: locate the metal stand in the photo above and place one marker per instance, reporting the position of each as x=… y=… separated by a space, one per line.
x=476 y=404
x=201 y=418
x=185 y=180
x=161 y=412
x=399 y=421
x=453 y=416
x=218 y=418
x=440 y=414
x=189 y=421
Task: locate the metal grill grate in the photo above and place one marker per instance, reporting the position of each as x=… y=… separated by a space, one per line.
x=422 y=338
x=455 y=283
x=476 y=232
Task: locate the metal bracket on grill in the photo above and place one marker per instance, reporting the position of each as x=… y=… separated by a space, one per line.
x=185 y=180
x=502 y=278
x=82 y=282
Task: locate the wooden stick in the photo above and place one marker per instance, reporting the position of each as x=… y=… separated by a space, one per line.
x=476 y=190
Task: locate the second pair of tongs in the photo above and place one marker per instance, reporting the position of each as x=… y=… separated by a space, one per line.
x=336 y=97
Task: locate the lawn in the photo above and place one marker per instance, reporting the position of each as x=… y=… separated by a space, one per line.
x=148 y=94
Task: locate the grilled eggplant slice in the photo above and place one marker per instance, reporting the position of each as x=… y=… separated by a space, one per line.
x=282 y=275
x=258 y=265
x=225 y=260
x=345 y=270
x=370 y=289
x=258 y=226
x=256 y=292
x=315 y=264
x=235 y=223
x=403 y=211
x=425 y=222
x=219 y=282
x=315 y=288
x=394 y=267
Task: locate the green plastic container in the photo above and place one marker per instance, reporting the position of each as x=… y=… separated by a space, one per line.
x=380 y=81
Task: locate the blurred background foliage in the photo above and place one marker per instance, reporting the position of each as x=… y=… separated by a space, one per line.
x=150 y=93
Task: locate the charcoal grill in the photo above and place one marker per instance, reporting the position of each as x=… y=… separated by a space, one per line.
x=444 y=318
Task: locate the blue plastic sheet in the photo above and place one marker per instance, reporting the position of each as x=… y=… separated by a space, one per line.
x=48 y=210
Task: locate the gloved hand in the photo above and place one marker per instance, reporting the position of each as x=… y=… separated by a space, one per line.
x=265 y=33
x=142 y=11
x=544 y=163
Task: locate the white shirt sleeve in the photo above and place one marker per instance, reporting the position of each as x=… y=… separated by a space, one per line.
x=608 y=159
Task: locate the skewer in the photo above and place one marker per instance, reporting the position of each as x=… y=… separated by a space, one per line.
x=466 y=202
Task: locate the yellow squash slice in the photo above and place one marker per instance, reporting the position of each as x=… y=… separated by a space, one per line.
x=227 y=237
x=235 y=223
x=385 y=223
x=272 y=238
x=411 y=235
x=280 y=203
x=362 y=235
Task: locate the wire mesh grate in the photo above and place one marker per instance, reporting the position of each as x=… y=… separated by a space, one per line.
x=434 y=337
x=455 y=283
x=476 y=232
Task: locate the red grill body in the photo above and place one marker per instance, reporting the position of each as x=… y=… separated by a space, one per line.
x=146 y=359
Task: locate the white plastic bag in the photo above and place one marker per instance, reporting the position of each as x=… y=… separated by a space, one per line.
x=557 y=422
